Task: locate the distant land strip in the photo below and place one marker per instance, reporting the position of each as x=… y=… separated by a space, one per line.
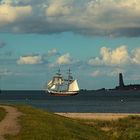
x=98 y=116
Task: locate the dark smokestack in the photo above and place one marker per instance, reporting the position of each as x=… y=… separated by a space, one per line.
x=121 y=83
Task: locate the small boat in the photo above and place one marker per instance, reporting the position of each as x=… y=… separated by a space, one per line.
x=59 y=86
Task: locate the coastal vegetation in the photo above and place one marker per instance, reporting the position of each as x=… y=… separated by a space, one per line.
x=2 y=113
x=122 y=129
x=37 y=124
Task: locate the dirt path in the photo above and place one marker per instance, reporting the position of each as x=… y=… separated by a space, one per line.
x=97 y=116
x=9 y=124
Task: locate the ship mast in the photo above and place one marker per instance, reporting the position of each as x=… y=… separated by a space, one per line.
x=59 y=78
x=70 y=78
x=58 y=73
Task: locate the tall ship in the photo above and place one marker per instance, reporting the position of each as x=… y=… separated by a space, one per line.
x=61 y=86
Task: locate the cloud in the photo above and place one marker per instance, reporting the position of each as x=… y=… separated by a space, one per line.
x=96 y=73
x=64 y=59
x=2 y=44
x=118 y=56
x=115 y=72
x=10 y=14
x=58 y=59
x=22 y=2
x=50 y=56
x=91 y=17
x=136 y=56
x=53 y=52
x=5 y=72
x=30 y=59
x=107 y=72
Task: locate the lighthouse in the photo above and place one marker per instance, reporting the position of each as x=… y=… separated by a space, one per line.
x=121 y=83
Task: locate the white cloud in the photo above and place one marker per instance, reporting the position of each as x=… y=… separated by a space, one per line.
x=10 y=14
x=59 y=8
x=118 y=56
x=96 y=73
x=92 y=17
x=31 y=59
x=64 y=59
x=108 y=72
x=52 y=52
x=136 y=56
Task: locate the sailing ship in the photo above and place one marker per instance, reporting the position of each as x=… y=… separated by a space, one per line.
x=60 y=86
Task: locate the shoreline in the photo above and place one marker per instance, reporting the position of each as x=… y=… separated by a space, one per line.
x=97 y=116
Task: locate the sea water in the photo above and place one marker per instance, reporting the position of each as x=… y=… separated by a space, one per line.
x=95 y=101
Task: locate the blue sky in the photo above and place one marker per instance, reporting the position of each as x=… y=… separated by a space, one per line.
x=97 y=39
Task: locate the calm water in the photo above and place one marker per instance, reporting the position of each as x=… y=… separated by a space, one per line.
x=116 y=101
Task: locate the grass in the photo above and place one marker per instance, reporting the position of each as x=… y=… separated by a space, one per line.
x=122 y=129
x=41 y=125
x=2 y=113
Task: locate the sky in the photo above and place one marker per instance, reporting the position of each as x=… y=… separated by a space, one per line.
x=96 y=39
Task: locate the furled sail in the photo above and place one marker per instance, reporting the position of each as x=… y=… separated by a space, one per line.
x=51 y=85
x=57 y=80
x=73 y=86
x=55 y=83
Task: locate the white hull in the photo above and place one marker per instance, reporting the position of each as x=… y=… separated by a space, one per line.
x=63 y=93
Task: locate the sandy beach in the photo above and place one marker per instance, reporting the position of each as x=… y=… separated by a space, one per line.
x=97 y=116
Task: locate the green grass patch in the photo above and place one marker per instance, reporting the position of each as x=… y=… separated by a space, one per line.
x=2 y=113
x=41 y=125
x=122 y=129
